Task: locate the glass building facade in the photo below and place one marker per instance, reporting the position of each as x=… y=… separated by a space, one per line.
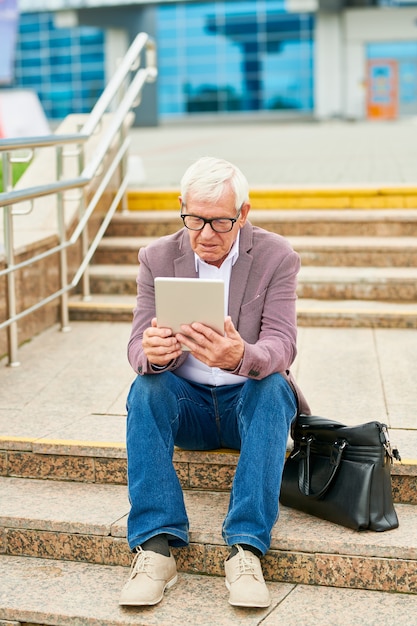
x=64 y=66
x=220 y=56
x=234 y=56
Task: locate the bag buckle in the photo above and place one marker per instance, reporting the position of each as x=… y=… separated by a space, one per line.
x=393 y=453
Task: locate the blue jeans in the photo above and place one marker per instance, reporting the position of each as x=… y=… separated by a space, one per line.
x=165 y=410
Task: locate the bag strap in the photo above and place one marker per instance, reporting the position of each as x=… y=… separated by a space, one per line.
x=304 y=466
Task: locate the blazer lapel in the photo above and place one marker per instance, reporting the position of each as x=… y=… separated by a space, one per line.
x=184 y=266
x=240 y=273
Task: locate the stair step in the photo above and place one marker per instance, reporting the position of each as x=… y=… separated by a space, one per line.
x=312 y=222
x=60 y=593
x=328 y=283
x=113 y=279
x=123 y=250
x=358 y=283
x=87 y=523
x=356 y=313
x=330 y=313
x=328 y=251
x=104 y=462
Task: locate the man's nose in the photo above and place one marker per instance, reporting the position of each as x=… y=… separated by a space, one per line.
x=207 y=231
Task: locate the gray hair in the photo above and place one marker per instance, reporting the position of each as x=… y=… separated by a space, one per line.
x=208 y=178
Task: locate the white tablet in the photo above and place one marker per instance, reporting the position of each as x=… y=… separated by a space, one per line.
x=185 y=300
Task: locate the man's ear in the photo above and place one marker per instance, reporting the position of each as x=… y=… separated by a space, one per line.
x=180 y=200
x=244 y=214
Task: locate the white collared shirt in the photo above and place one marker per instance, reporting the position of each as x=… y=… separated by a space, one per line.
x=193 y=369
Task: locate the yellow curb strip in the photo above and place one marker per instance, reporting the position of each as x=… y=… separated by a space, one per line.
x=63 y=442
x=293 y=198
x=16 y=439
x=71 y=443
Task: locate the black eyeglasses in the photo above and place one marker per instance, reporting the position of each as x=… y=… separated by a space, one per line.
x=218 y=224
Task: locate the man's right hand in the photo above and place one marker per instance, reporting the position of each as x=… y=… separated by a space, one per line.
x=159 y=345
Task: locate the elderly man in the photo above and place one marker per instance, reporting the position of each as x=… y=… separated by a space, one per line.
x=233 y=390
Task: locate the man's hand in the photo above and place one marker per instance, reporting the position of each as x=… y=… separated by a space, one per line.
x=213 y=349
x=160 y=345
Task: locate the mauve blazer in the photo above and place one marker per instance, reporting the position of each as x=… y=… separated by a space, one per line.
x=262 y=298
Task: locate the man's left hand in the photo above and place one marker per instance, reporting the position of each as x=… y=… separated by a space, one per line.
x=211 y=348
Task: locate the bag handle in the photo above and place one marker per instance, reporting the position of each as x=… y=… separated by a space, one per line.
x=304 y=468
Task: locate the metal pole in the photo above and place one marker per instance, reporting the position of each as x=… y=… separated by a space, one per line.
x=85 y=281
x=12 y=338
x=65 y=327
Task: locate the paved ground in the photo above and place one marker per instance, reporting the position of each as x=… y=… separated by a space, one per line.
x=274 y=153
x=73 y=385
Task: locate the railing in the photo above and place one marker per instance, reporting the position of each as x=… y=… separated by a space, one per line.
x=125 y=87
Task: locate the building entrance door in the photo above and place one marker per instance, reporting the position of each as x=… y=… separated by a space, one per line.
x=382 y=89
x=391 y=79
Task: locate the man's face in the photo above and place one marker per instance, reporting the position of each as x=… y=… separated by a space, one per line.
x=210 y=246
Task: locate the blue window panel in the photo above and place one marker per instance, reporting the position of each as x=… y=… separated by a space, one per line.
x=31 y=61
x=60 y=58
x=60 y=41
x=60 y=76
x=90 y=74
x=28 y=27
x=30 y=44
x=89 y=36
x=30 y=81
x=92 y=57
x=408 y=81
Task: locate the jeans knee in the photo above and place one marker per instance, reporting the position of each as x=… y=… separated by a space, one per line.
x=143 y=388
x=270 y=396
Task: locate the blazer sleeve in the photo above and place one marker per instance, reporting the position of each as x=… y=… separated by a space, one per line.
x=275 y=323
x=155 y=260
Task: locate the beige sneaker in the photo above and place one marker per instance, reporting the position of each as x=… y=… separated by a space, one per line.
x=150 y=575
x=245 y=581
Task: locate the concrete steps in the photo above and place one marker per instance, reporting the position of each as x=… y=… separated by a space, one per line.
x=359 y=267
x=104 y=462
x=328 y=251
x=85 y=522
x=332 y=313
x=321 y=283
x=64 y=555
x=62 y=593
x=63 y=500
x=318 y=223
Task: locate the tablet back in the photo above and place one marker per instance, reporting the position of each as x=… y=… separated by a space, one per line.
x=186 y=300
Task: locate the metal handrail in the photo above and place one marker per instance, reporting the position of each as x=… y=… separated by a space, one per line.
x=126 y=85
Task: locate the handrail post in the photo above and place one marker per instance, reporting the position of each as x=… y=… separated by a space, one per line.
x=12 y=331
x=85 y=280
x=63 y=262
x=123 y=168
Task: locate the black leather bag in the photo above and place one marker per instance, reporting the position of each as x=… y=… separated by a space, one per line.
x=341 y=473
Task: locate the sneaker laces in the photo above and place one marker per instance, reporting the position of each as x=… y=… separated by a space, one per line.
x=247 y=564
x=140 y=562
